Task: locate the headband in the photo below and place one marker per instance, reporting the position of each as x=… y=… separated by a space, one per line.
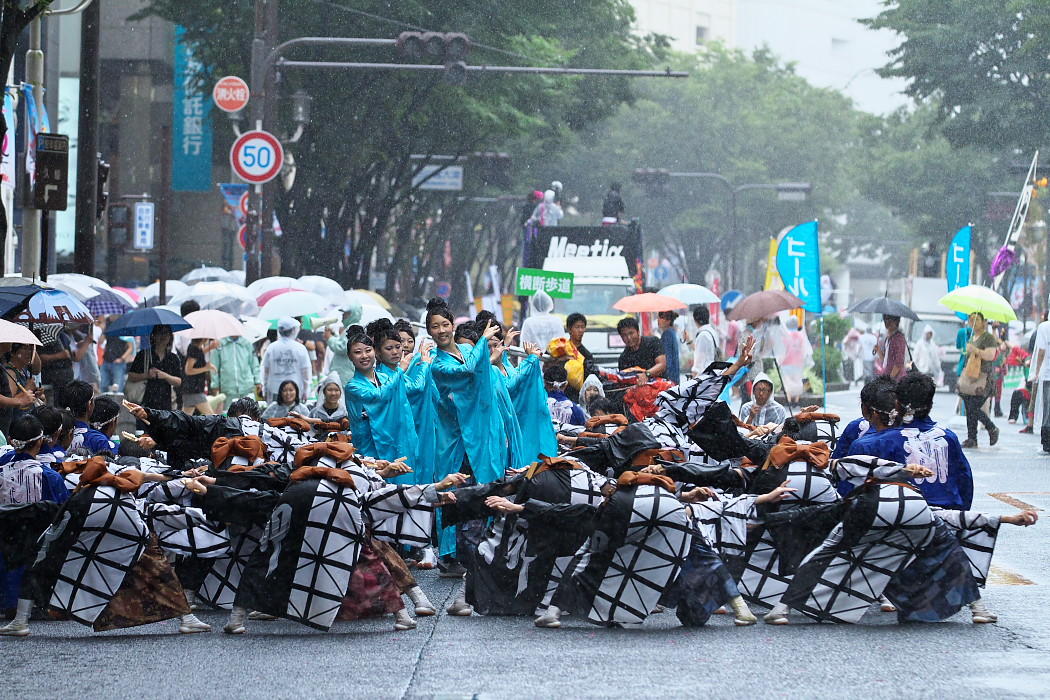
x=20 y=445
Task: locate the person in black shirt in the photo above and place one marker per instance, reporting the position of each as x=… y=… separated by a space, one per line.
x=163 y=373
x=613 y=206
x=56 y=357
x=645 y=352
x=197 y=373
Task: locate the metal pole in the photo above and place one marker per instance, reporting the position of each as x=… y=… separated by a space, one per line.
x=45 y=243
x=269 y=117
x=87 y=143
x=165 y=209
x=30 y=216
x=257 y=82
x=341 y=65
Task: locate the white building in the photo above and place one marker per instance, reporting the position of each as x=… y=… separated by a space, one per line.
x=823 y=38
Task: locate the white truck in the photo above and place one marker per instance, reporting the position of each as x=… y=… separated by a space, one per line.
x=605 y=261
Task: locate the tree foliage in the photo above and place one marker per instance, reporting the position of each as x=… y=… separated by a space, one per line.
x=982 y=63
x=354 y=164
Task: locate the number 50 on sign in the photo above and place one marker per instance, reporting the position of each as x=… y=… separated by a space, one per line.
x=257 y=157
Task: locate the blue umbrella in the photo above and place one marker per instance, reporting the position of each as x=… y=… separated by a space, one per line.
x=14 y=300
x=143 y=321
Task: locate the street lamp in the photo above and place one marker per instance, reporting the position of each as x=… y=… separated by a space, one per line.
x=656 y=181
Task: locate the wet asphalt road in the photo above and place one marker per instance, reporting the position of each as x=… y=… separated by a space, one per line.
x=448 y=657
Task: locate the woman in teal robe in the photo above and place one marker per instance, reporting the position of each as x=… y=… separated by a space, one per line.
x=381 y=424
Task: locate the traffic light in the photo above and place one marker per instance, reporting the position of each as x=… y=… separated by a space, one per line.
x=102 y=198
x=657 y=181
x=50 y=192
x=493 y=168
x=452 y=49
x=118 y=224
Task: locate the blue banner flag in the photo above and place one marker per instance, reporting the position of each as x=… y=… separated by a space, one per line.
x=957 y=265
x=191 y=123
x=798 y=262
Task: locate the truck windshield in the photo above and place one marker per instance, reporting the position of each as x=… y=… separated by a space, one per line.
x=594 y=299
x=943 y=331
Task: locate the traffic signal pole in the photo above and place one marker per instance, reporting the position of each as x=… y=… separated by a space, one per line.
x=30 y=239
x=87 y=143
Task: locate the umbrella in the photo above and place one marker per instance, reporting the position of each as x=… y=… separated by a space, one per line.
x=267 y=283
x=373 y=312
x=254 y=328
x=690 y=294
x=648 y=302
x=294 y=304
x=15 y=299
x=266 y=296
x=109 y=303
x=129 y=295
x=764 y=304
x=973 y=298
x=14 y=333
x=884 y=306
x=151 y=294
x=81 y=291
x=215 y=324
x=143 y=321
x=77 y=278
x=206 y=274
x=54 y=306
x=321 y=286
x=224 y=296
x=376 y=297
x=236 y=277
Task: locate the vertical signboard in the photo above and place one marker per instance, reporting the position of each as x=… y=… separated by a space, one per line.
x=191 y=125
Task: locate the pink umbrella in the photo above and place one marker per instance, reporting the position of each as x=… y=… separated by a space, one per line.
x=266 y=296
x=135 y=296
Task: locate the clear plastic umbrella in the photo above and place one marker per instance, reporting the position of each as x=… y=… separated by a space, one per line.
x=224 y=296
x=151 y=294
x=294 y=304
x=214 y=324
x=206 y=274
x=690 y=294
x=261 y=286
x=322 y=286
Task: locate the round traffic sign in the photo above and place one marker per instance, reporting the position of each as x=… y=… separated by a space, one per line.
x=242 y=237
x=230 y=94
x=256 y=156
x=244 y=204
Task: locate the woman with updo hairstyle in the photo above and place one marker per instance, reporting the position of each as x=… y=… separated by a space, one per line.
x=380 y=425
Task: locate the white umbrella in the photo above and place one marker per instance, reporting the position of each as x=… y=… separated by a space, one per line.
x=690 y=293
x=373 y=312
x=86 y=280
x=354 y=296
x=237 y=277
x=206 y=274
x=223 y=296
x=321 y=285
x=294 y=304
x=254 y=328
x=14 y=333
x=151 y=294
x=214 y=324
x=266 y=284
x=78 y=289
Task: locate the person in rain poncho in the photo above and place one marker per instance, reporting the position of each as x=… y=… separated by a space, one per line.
x=542 y=326
x=236 y=369
x=547 y=212
x=286 y=360
x=763 y=408
x=927 y=355
x=341 y=363
x=797 y=357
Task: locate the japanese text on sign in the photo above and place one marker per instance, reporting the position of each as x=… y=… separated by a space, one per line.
x=143 y=239
x=557 y=284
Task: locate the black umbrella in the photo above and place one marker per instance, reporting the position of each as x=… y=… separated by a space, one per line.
x=884 y=306
x=13 y=300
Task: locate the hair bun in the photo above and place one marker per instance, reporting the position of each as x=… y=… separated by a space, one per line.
x=436 y=303
x=378 y=326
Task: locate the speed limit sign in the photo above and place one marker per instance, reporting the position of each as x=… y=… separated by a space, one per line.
x=257 y=157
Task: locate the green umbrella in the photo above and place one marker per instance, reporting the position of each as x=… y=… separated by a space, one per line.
x=974 y=298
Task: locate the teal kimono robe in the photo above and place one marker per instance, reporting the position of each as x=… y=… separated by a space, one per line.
x=469 y=422
x=381 y=423
x=408 y=438
x=534 y=416
x=423 y=400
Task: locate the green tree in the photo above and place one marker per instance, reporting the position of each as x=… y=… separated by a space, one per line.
x=982 y=64
x=750 y=119
x=354 y=165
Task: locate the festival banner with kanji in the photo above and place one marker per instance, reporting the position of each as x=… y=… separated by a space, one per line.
x=557 y=284
x=191 y=124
